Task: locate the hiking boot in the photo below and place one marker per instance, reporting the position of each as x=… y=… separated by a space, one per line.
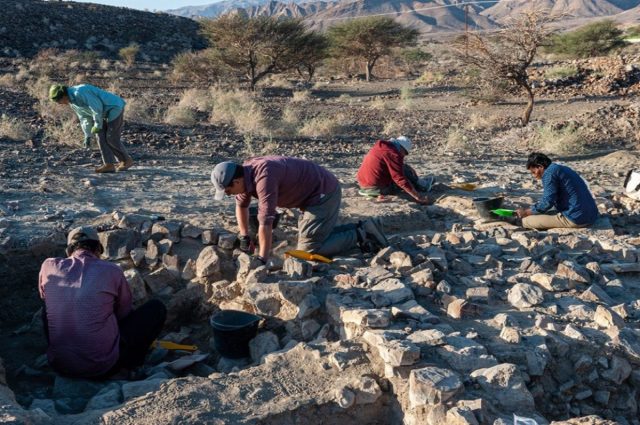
x=106 y=168
x=373 y=229
x=124 y=165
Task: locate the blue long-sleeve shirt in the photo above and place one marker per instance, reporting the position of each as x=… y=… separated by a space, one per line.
x=565 y=190
x=93 y=105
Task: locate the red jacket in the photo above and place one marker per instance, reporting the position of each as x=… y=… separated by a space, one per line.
x=383 y=165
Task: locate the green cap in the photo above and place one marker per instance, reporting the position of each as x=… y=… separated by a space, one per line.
x=56 y=91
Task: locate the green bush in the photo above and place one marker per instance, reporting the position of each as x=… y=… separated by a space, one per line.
x=596 y=39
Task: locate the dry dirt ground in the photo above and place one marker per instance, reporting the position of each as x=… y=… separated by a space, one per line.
x=48 y=188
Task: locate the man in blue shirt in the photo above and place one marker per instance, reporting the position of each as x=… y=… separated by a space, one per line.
x=565 y=192
x=100 y=113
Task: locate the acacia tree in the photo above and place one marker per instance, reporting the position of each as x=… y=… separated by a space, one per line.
x=255 y=47
x=510 y=51
x=369 y=39
x=594 y=39
x=311 y=51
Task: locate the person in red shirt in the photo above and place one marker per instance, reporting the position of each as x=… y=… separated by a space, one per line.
x=383 y=170
x=91 y=329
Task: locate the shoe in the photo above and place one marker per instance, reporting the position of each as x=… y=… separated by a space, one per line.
x=124 y=165
x=106 y=168
x=375 y=232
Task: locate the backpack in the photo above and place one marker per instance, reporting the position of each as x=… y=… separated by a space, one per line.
x=632 y=185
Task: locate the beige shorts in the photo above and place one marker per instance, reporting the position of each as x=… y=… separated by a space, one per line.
x=545 y=221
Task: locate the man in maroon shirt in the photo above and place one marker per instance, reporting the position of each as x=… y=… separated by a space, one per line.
x=91 y=329
x=279 y=181
x=384 y=165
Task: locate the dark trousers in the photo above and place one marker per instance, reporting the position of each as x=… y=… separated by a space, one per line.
x=137 y=331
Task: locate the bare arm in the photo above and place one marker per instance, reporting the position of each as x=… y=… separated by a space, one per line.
x=242 y=215
x=265 y=235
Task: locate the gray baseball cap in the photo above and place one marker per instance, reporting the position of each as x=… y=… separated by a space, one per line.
x=221 y=177
x=81 y=234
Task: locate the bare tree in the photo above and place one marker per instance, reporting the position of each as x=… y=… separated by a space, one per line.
x=508 y=53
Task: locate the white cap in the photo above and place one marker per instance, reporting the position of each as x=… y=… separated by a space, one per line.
x=404 y=142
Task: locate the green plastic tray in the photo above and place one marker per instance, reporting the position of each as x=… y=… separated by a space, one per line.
x=503 y=212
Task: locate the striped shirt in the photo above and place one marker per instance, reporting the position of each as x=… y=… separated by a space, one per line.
x=84 y=297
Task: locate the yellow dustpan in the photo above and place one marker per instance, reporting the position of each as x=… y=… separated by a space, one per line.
x=464 y=186
x=304 y=255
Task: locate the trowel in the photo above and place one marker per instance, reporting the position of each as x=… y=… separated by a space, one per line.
x=304 y=255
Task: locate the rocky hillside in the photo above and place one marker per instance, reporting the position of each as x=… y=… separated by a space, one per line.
x=428 y=16
x=27 y=26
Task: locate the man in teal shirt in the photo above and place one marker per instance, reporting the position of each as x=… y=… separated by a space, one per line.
x=100 y=113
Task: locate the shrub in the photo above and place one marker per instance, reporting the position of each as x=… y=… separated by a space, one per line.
x=323 y=126
x=430 y=77
x=596 y=39
x=480 y=121
x=239 y=109
x=142 y=110
x=393 y=128
x=128 y=54
x=559 y=141
x=301 y=96
x=196 y=99
x=457 y=141
x=196 y=66
x=65 y=130
x=406 y=98
x=14 y=129
x=379 y=103
x=179 y=115
x=561 y=71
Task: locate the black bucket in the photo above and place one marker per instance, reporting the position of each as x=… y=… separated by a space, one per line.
x=232 y=331
x=253 y=220
x=485 y=205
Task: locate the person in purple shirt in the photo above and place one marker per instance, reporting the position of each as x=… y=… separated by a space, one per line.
x=91 y=329
x=566 y=201
x=278 y=181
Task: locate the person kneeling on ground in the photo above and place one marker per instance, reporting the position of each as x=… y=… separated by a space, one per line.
x=383 y=170
x=565 y=191
x=279 y=181
x=101 y=113
x=91 y=329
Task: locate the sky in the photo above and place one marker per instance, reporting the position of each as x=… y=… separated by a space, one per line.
x=150 y=4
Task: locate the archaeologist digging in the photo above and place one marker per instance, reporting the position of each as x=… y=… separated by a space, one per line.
x=564 y=191
x=278 y=181
x=100 y=113
x=383 y=171
x=91 y=329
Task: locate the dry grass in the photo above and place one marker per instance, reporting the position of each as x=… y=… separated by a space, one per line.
x=239 y=109
x=65 y=130
x=457 y=141
x=323 y=126
x=483 y=121
x=301 y=96
x=406 y=98
x=564 y=141
x=7 y=80
x=179 y=115
x=197 y=99
x=393 y=128
x=430 y=77
x=277 y=81
x=14 y=129
x=141 y=109
x=561 y=71
x=379 y=103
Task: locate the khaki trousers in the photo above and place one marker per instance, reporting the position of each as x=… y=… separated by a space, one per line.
x=546 y=221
